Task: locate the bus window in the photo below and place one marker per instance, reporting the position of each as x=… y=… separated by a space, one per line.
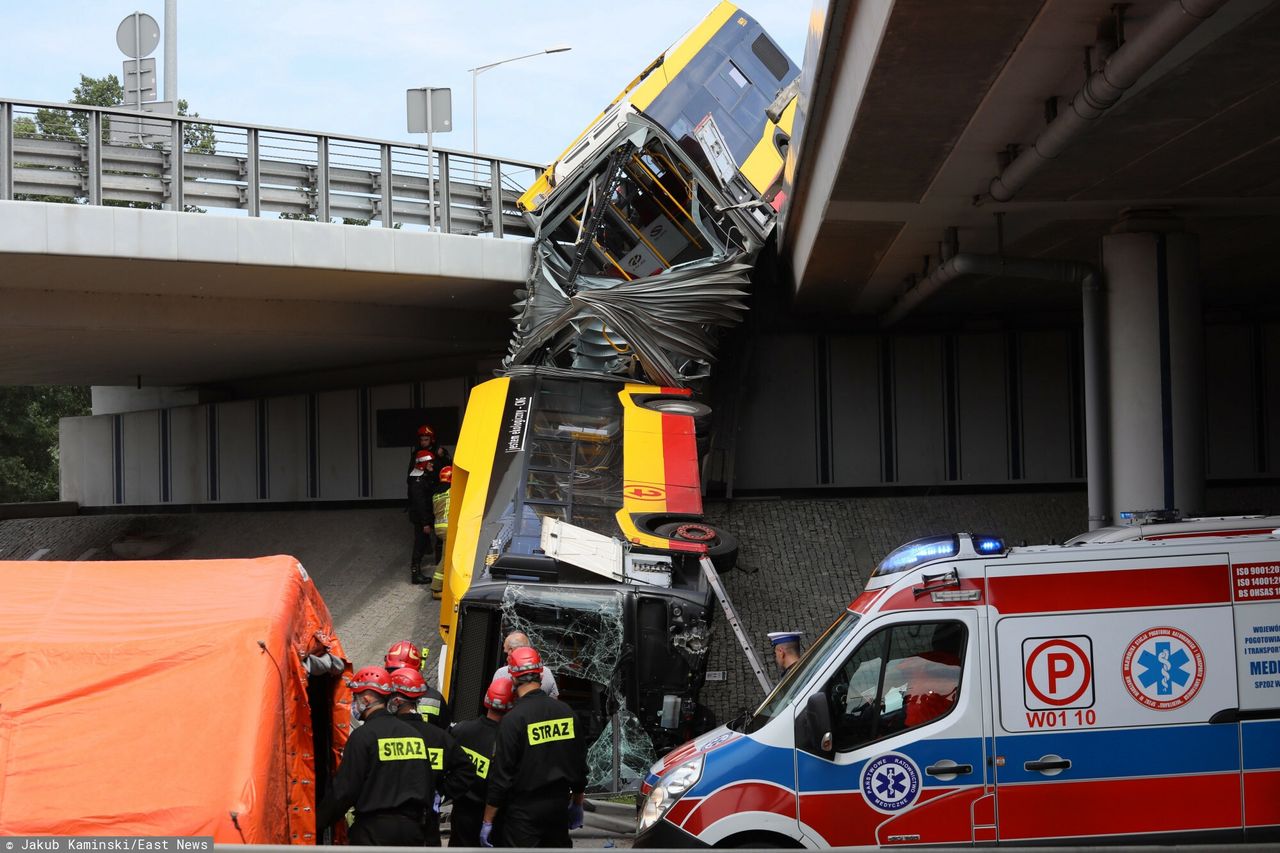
x=772 y=58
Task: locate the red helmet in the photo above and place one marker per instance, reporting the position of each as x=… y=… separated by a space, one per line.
x=446 y=474
x=408 y=682
x=524 y=660
x=372 y=678
x=499 y=695
x=427 y=431
x=403 y=653
x=422 y=457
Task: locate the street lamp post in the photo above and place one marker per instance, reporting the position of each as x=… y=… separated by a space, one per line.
x=480 y=69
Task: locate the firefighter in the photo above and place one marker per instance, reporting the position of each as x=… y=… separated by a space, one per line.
x=786 y=648
x=382 y=771
x=421 y=486
x=538 y=777
x=427 y=441
x=449 y=773
x=440 y=506
x=476 y=739
x=431 y=705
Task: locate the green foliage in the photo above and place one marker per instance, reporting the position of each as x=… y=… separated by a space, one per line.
x=74 y=127
x=29 y=438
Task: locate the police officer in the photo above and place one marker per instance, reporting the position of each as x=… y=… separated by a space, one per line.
x=431 y=704
x=538 y=777
x=786 y=648
x=382 y=771
x=476 y=740
x=449 y=773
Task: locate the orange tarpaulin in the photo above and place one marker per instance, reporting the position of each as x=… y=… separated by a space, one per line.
x=161 y=698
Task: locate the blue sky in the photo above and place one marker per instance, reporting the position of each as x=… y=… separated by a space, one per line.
x=343 y=67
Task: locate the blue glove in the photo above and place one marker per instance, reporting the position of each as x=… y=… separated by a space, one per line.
x=485 y=828
x=575 y=815
x=435 y=804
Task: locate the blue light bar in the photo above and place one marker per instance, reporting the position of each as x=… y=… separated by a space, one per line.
x=988 y=544
x=914 y=553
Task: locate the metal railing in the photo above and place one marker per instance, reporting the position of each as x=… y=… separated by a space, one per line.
x=72 y=153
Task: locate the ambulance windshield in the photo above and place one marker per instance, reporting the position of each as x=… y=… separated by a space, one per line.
x=816 y=658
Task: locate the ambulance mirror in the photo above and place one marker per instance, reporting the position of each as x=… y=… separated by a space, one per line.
x=813 y=726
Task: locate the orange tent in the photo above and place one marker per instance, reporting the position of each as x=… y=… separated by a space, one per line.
x=167 y=698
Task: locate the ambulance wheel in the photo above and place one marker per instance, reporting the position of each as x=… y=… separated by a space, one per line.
x=722 y=547
x=759 y=841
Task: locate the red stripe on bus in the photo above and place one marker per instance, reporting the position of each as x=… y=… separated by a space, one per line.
x=680 y=461
x=1110 y=589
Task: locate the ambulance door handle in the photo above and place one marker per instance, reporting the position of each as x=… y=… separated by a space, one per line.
x=1049 y=765
x=949 y=769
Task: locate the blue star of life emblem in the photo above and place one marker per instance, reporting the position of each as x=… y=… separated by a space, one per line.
x=1164 y=668
x=891 y=782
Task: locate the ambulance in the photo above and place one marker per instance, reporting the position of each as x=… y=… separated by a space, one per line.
x=1121 y=687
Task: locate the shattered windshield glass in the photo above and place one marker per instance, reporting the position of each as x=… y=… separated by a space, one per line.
x=579 y=634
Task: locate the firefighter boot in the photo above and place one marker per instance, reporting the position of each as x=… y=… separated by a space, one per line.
x=415 y=572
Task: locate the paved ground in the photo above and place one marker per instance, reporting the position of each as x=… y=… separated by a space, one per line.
x=801 y=560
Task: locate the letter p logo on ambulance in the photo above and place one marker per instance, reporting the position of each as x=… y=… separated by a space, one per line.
x=890 y=783
x=1163 y=668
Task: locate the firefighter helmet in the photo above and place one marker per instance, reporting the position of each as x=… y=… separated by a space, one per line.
x=408 y=682
x=422 y=458
x=446 y=474
x=498 y=696
x=523 y=661
x=403 y=653
x=372 y=678
x=427 y=431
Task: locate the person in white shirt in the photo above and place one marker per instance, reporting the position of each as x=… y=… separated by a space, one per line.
x=518 y=639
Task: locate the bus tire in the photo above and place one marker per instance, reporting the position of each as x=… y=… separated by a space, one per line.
x=679 y=406
x=722 y=547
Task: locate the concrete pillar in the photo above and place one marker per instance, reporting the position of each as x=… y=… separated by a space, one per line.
x=1155 y=335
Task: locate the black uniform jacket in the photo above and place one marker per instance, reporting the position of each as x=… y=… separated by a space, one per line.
x=450 y=772
x=434 y=709
x=476 y=739
x=539 y=751
x=381 y=771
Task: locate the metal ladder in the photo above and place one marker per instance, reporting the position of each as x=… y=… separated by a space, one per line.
x=713 y=578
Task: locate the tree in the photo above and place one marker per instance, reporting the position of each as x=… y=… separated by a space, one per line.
x=29 y=438
x=74 y=127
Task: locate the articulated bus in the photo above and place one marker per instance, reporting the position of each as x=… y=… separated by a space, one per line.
x=727 y=68
x=550 y=477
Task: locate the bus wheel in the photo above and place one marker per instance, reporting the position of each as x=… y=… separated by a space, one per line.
x=722 y=547
x=678 y=406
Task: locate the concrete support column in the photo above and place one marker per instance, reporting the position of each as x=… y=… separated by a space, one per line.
x=1155 y=335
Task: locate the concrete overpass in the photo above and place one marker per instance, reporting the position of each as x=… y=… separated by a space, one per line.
x=234 y=271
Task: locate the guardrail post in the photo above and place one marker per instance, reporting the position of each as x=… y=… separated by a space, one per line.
x=253 y=194
x=177 y=174
x=445 y=199
x=6 y=152
x=386 y=216
x=322 y=179
x=495 y=196
x=94 y=159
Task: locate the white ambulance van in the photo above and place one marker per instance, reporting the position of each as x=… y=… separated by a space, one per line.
x=1123 y=686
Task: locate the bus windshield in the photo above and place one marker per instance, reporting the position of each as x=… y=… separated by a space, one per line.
x=783 y=696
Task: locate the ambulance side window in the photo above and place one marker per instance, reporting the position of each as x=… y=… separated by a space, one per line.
x=901 y=677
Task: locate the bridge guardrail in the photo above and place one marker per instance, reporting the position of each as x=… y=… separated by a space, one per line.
x=74 y=153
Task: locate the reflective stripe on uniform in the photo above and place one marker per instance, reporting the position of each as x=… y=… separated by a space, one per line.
x=481 y=763
x=401 y=748
x=429 y=707
x=437 y=757
x=550 y=730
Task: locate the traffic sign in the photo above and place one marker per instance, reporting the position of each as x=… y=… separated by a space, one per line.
x=1058 y=672
x=138 y=35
